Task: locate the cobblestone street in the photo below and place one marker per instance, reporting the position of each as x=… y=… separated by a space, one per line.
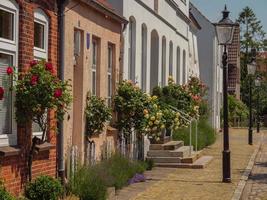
x=187 y=184
x=256 y=187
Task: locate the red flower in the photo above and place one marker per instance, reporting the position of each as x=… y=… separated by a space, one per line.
x=58 y=93
x=49 y=67
x=33 y=63
x=2 y=92
x=9 y=70
x=34 y=80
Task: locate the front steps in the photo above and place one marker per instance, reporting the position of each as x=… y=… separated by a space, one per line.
x=174 y=154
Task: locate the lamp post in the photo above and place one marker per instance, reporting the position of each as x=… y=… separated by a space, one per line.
x=251 y=71
x=225 y=31
x=258 y=84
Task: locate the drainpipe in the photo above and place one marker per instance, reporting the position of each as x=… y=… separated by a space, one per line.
x=60 y=138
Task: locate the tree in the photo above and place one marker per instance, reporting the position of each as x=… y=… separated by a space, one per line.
x=252 y=36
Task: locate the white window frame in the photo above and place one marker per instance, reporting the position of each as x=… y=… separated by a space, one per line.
x=39 y=54
x=10 y=47
x=41 y=18
x=110 y=74
x=94 y=66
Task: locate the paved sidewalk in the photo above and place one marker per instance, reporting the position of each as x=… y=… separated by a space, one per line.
x=197 y=184
x=256 y=187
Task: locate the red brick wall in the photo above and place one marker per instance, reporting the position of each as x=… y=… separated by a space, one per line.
x=13 y=169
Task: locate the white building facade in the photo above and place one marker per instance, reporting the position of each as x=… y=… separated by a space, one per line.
x=156 y=41
x=210 y=71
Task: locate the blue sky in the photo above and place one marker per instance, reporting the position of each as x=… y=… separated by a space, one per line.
x=212 y=8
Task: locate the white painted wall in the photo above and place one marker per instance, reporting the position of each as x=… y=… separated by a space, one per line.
x=166 y=22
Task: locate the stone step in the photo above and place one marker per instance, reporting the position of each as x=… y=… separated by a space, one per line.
x=180 y=152
x=191 y=159
x=167 y=146
x=198 y=164
x=165 y=159
x=172 y=145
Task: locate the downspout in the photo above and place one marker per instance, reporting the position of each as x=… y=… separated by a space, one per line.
x=60 y=137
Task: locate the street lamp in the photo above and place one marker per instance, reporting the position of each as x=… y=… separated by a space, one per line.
x=258 y=84
x=225 y=31
x=251 y=71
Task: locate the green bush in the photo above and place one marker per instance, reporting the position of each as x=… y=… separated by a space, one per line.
x=4 y=195
x=88 y=185
x=206 y=134
x=91 y=183
x=44 y=188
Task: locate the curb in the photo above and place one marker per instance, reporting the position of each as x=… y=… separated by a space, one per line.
x=243 y=180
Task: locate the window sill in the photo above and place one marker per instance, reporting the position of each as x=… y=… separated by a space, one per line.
x=44 y=147
x=9 y=151
x=111 y=130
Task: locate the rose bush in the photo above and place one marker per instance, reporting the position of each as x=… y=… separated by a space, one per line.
x=97 y=113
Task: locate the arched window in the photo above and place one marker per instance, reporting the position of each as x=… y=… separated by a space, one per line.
x=171 y=59
x=154 y=59
x=178 y=65
x=132 y=48
x=156 y=5
x=163 y=64
x=9 y=18
x=144 y=57
x=41 y=26
x=184 y=67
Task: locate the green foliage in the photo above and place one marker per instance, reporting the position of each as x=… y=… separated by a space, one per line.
x=4 y=195
x=88 y=185
x=237 y=109
x=38 y=91
x=91 y=182
x=44 y=188
x=149 y=164
x=129 y=104
x=97 y=114
x=206 y=134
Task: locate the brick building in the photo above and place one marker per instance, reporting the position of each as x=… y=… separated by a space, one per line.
x=262 y=62
x=234 y=64
x=28 y=30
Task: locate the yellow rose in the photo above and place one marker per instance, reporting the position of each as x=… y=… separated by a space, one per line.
x=150 y=123
x=153 y=118
x=176 y=119
x=154 y=97
x=159 y=115
x=177 y=114
x=156 y=122
x=162 y=126
x=147 y=116
x=149 y=98
x=176 y=128
x=154 y=128
x=155 y=106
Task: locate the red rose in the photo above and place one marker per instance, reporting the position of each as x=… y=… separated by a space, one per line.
x=34 y=80
x=33 y=63
x=58 y=93
x=9 y=70
x=2 y=92
x=49 y=67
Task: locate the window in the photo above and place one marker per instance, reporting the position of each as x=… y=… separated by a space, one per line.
x=184 y=67
x=94 y=67
x=163 y=64
x=8 y=57
x=132 y=48
x=6 y=25
x=144 y=57
x=178 y=61
x=156 y=5
x=171 y=59
x=110 y=73
x=39 y=35
x=41 y=25
x=5 y=104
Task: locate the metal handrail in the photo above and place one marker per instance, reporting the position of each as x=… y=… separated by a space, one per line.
x=190 y=120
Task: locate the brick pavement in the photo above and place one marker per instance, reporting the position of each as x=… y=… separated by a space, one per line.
x=256 y=187
x=198 y=184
